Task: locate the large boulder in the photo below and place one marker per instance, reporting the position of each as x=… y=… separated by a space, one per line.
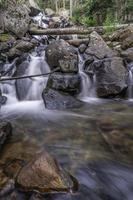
x=5 y=132
x=54 y=99
x=16 y=20
x=61 y=54
x=67 y=83
x=98 y=48
x=111 y=76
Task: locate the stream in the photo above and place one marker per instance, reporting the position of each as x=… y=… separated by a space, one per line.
x=93 y=142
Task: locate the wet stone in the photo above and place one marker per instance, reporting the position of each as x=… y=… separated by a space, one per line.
x=5 y=132
x=43 y=174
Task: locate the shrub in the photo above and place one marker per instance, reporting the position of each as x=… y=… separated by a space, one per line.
x=109 y=24
x=87 y=21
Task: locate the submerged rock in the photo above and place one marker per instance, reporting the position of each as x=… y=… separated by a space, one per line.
x=111 y=76
x=54 y=99
x=43 y=174
x=5 y=132
x=61 y=54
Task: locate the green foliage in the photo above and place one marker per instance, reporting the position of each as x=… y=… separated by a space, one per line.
x=2 y=3
x=87 y=21
x=109 y=24
x=80 y=18
x=77 y=15
x=95 y=6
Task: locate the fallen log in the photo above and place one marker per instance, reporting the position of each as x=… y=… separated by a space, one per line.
x=75 y=30
x=65 y=31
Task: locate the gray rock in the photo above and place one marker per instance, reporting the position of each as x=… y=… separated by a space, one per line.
x=5 y=132
x=65 y=82
x=98 y=47
x=82 y=48
x=128 y=42
x=3 y=100
x=122 y=34
x=111 y=76
x=16 y=20
x=4 y=47
x=20 y=48
x=54 y=99
x=61 y=54
x=128 y=54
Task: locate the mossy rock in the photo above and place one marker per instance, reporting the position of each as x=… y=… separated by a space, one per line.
x=5 y=37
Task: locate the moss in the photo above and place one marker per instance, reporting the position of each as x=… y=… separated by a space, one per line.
x=4 y=37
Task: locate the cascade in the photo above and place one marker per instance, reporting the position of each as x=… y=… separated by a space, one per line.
x=87 y=85
x=34 y=86
x=130 y=87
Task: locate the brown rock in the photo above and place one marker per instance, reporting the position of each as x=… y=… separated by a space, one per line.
x=43 y=174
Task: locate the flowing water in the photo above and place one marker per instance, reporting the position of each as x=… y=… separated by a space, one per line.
x=130 y=88
x=93 y=142
x=88 y=93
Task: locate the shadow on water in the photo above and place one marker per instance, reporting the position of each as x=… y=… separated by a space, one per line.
x=94 y=143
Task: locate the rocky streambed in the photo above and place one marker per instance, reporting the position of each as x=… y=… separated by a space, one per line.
x=92 y=141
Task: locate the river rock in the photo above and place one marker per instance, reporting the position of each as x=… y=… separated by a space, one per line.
x=5 y=132
x=61 y=54
x=128 y=54
x=65 y=82
x=82 y=48
x=20 y=48
x=128 y=42
x=54 y=99
x=122 y=34
x=43 y=174
x=111 y=76
x=98 y=48
x=16 y=20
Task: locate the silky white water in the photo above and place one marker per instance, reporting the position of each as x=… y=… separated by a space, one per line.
x=88 y=93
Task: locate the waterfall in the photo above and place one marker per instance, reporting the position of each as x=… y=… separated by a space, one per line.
x=88 y=92
x=130 y=86
x=37 y=65
x=31 y=87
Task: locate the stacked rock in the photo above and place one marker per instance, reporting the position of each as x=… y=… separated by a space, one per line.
x=63 y=85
